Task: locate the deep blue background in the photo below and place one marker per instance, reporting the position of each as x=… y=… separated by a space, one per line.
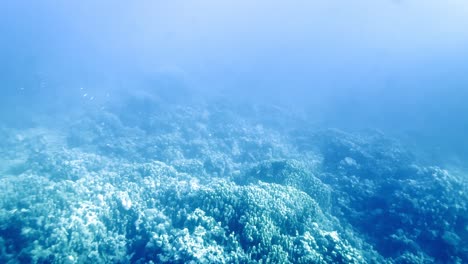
x=399 y=66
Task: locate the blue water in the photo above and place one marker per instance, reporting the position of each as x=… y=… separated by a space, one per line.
x=233 y=132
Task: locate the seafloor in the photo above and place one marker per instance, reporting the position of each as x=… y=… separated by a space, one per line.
x=219 y=182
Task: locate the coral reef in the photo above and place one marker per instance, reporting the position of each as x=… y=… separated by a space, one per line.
x=212 y=183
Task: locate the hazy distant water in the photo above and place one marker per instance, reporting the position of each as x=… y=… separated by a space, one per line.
x=398 y=66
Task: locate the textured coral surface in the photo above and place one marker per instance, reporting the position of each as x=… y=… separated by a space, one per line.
x=220 y=183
